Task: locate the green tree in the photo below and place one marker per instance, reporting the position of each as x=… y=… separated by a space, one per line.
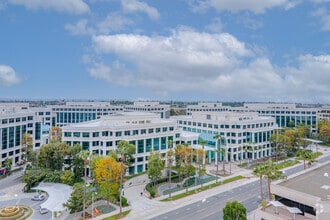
x=51 y=156
x=8 y=164
x=75 y=202
x=155 y=167
x=68 y=177
x=234 y=211
x=77 y=161
x=27 y=147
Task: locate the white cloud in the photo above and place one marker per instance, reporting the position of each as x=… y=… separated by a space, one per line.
x=256 y=6
x=8 y=76
x=80 y=28
x=214 y=64
x=215 y=26
x=116 y=74
x=113 y=22
x=68 y=6
x=324 y=16
x=138 y=6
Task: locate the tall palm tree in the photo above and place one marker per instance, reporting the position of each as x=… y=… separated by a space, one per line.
x=259 y=171
x=305 y=155
x=203 y=143
x=217 y=137
x=272 y=172
x=223 y=152
x=169 y=163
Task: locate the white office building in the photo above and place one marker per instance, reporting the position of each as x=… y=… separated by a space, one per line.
x=237 y=130
x=145 y=130
x=15 y=120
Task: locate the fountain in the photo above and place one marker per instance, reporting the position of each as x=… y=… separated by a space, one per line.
x=18 y=212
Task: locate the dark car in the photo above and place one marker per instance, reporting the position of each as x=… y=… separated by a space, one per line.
x=38 y=198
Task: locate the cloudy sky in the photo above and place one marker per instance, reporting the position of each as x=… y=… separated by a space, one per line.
x=211 y=50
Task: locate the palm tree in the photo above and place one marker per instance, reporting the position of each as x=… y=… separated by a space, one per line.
x=217 y=137
x=85 y=156
x=223 y=152
x=125 y=150
x=169 y=161
x=305 y=155
x=273 y=173
x=259 y=171
x=203 y=143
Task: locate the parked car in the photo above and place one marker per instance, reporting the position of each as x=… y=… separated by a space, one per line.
x=43 y=211
x=38 y=197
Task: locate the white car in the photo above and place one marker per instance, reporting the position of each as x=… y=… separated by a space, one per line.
x=43 y=211
x=38 y=198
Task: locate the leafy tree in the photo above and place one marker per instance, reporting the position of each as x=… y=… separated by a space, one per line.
x=203 y=143
x=27 y=146
x=51 y=156
x=32 y=179
x=77 y=161
x=75 y=202
x=53 y=177
x=8 y=164
x=201 y=165
x=155 y=167
x=68 y=177
x=234 y=211
x=107 y=174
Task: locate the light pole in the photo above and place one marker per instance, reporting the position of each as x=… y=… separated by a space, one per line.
x=85 y=180
x=216 y=176
x=93 y=204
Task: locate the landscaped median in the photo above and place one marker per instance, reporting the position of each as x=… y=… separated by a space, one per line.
x=182 y=195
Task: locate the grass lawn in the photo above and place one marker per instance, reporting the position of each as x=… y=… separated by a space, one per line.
x=114 y=217
x=182 y=195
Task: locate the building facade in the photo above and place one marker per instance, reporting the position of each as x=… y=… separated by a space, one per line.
x=144 y=130
x=76 y=112
x=15 y=120
x=243 y=135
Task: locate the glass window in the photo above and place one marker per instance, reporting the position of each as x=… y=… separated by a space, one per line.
x=157 y=130
x=156 y=144
x=164 y=129
x=140 y=148
x=76 y=134
x=143 y=131
x=105 y=133
x=85 y=134
x=118 y=133
x=95 y=134
x=151 y=130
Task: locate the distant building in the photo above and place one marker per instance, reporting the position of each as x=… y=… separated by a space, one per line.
x=153 y=107
x=207 y=107
x=15 y=120
x=76 y=112
x=145 y=130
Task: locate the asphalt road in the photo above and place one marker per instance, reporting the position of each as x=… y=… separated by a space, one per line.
x=211 y=208
x=11 y=194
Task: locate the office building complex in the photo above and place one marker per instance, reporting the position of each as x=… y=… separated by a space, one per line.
x=145 y=130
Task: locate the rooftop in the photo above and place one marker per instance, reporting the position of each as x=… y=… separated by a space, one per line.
x=315 y=183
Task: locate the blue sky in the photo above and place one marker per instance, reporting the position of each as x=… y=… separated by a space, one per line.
x=211 y=50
